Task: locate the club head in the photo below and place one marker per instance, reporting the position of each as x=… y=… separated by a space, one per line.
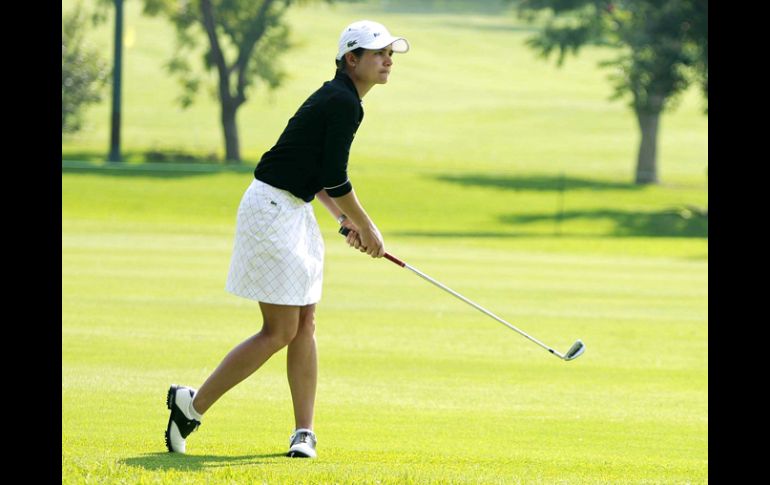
x=575 y=351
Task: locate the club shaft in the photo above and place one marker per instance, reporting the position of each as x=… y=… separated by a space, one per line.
x=471 y=303
x=344 y=231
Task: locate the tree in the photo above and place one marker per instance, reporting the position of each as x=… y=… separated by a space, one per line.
x=83 y=72
x=663 y=45
x=244 y=39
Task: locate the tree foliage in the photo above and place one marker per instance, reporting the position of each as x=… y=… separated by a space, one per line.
x=240 y=41
x=662 y=49
x=663 y=43
x=83 y=72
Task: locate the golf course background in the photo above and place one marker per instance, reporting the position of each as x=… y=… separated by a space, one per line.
x=491 y=170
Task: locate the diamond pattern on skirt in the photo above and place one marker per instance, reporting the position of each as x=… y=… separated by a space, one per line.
x=278 y=250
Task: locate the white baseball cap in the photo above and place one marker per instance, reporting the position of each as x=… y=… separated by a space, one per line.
x=369 y=35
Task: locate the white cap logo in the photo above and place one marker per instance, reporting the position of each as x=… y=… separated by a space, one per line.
x=369 y=35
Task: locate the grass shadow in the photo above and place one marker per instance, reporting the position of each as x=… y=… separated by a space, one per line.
x=461 y=234
x=682 y=222
x=544 y=183
x=186 y=462
x=151 y=169
x=687 y=222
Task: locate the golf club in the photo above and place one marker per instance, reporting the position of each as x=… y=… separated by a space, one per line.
x=574 y=352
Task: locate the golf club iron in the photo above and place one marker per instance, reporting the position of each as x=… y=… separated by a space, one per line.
x=574 y=352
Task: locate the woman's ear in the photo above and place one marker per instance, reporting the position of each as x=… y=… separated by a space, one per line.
x=350 y=59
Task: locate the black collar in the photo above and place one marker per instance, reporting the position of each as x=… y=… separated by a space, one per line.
x=347 y=82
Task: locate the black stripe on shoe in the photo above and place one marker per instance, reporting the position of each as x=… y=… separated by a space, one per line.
x=183 y=423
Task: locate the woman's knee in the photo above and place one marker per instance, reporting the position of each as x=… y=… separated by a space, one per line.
x=280 y=334
x=280 y=325
x=306 y=327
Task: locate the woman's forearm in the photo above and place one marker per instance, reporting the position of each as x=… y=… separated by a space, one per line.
x=349 y=205
x=329 y=203
x=364 y=235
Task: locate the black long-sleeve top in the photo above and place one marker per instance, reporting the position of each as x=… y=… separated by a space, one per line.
x=312 y=152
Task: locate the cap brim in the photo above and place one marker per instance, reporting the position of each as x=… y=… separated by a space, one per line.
x=400 y=44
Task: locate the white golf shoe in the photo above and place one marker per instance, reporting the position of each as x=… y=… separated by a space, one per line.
x=182 y=420
x=302 y=444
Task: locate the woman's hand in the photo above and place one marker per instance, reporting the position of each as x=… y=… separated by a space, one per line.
x=353 y=238
x=371 y=241
x=363 y=235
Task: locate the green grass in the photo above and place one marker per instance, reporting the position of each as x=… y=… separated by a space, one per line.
x=415 y=386
x=494 y=172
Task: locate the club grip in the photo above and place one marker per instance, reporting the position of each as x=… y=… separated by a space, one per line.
x=395 y=259
x=345 y=231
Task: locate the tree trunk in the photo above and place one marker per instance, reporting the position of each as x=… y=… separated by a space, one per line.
x=232 y=149
x=647 y=160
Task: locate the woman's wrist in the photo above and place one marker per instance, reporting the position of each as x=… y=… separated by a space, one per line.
x=342 y=218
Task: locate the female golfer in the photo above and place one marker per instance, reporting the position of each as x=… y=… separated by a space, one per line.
x=278 y=251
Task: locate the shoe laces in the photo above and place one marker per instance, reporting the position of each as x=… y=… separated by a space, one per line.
x=303 y=436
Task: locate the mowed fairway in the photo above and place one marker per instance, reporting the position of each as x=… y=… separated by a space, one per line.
x=415 y=386
x=461 y=162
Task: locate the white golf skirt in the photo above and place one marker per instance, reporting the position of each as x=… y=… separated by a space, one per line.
x=278 y=251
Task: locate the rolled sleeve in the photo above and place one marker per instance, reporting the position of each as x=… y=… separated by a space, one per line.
x=343 y=115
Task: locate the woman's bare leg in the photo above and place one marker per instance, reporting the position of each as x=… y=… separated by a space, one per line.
x=302 y=368
x=280 y=324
